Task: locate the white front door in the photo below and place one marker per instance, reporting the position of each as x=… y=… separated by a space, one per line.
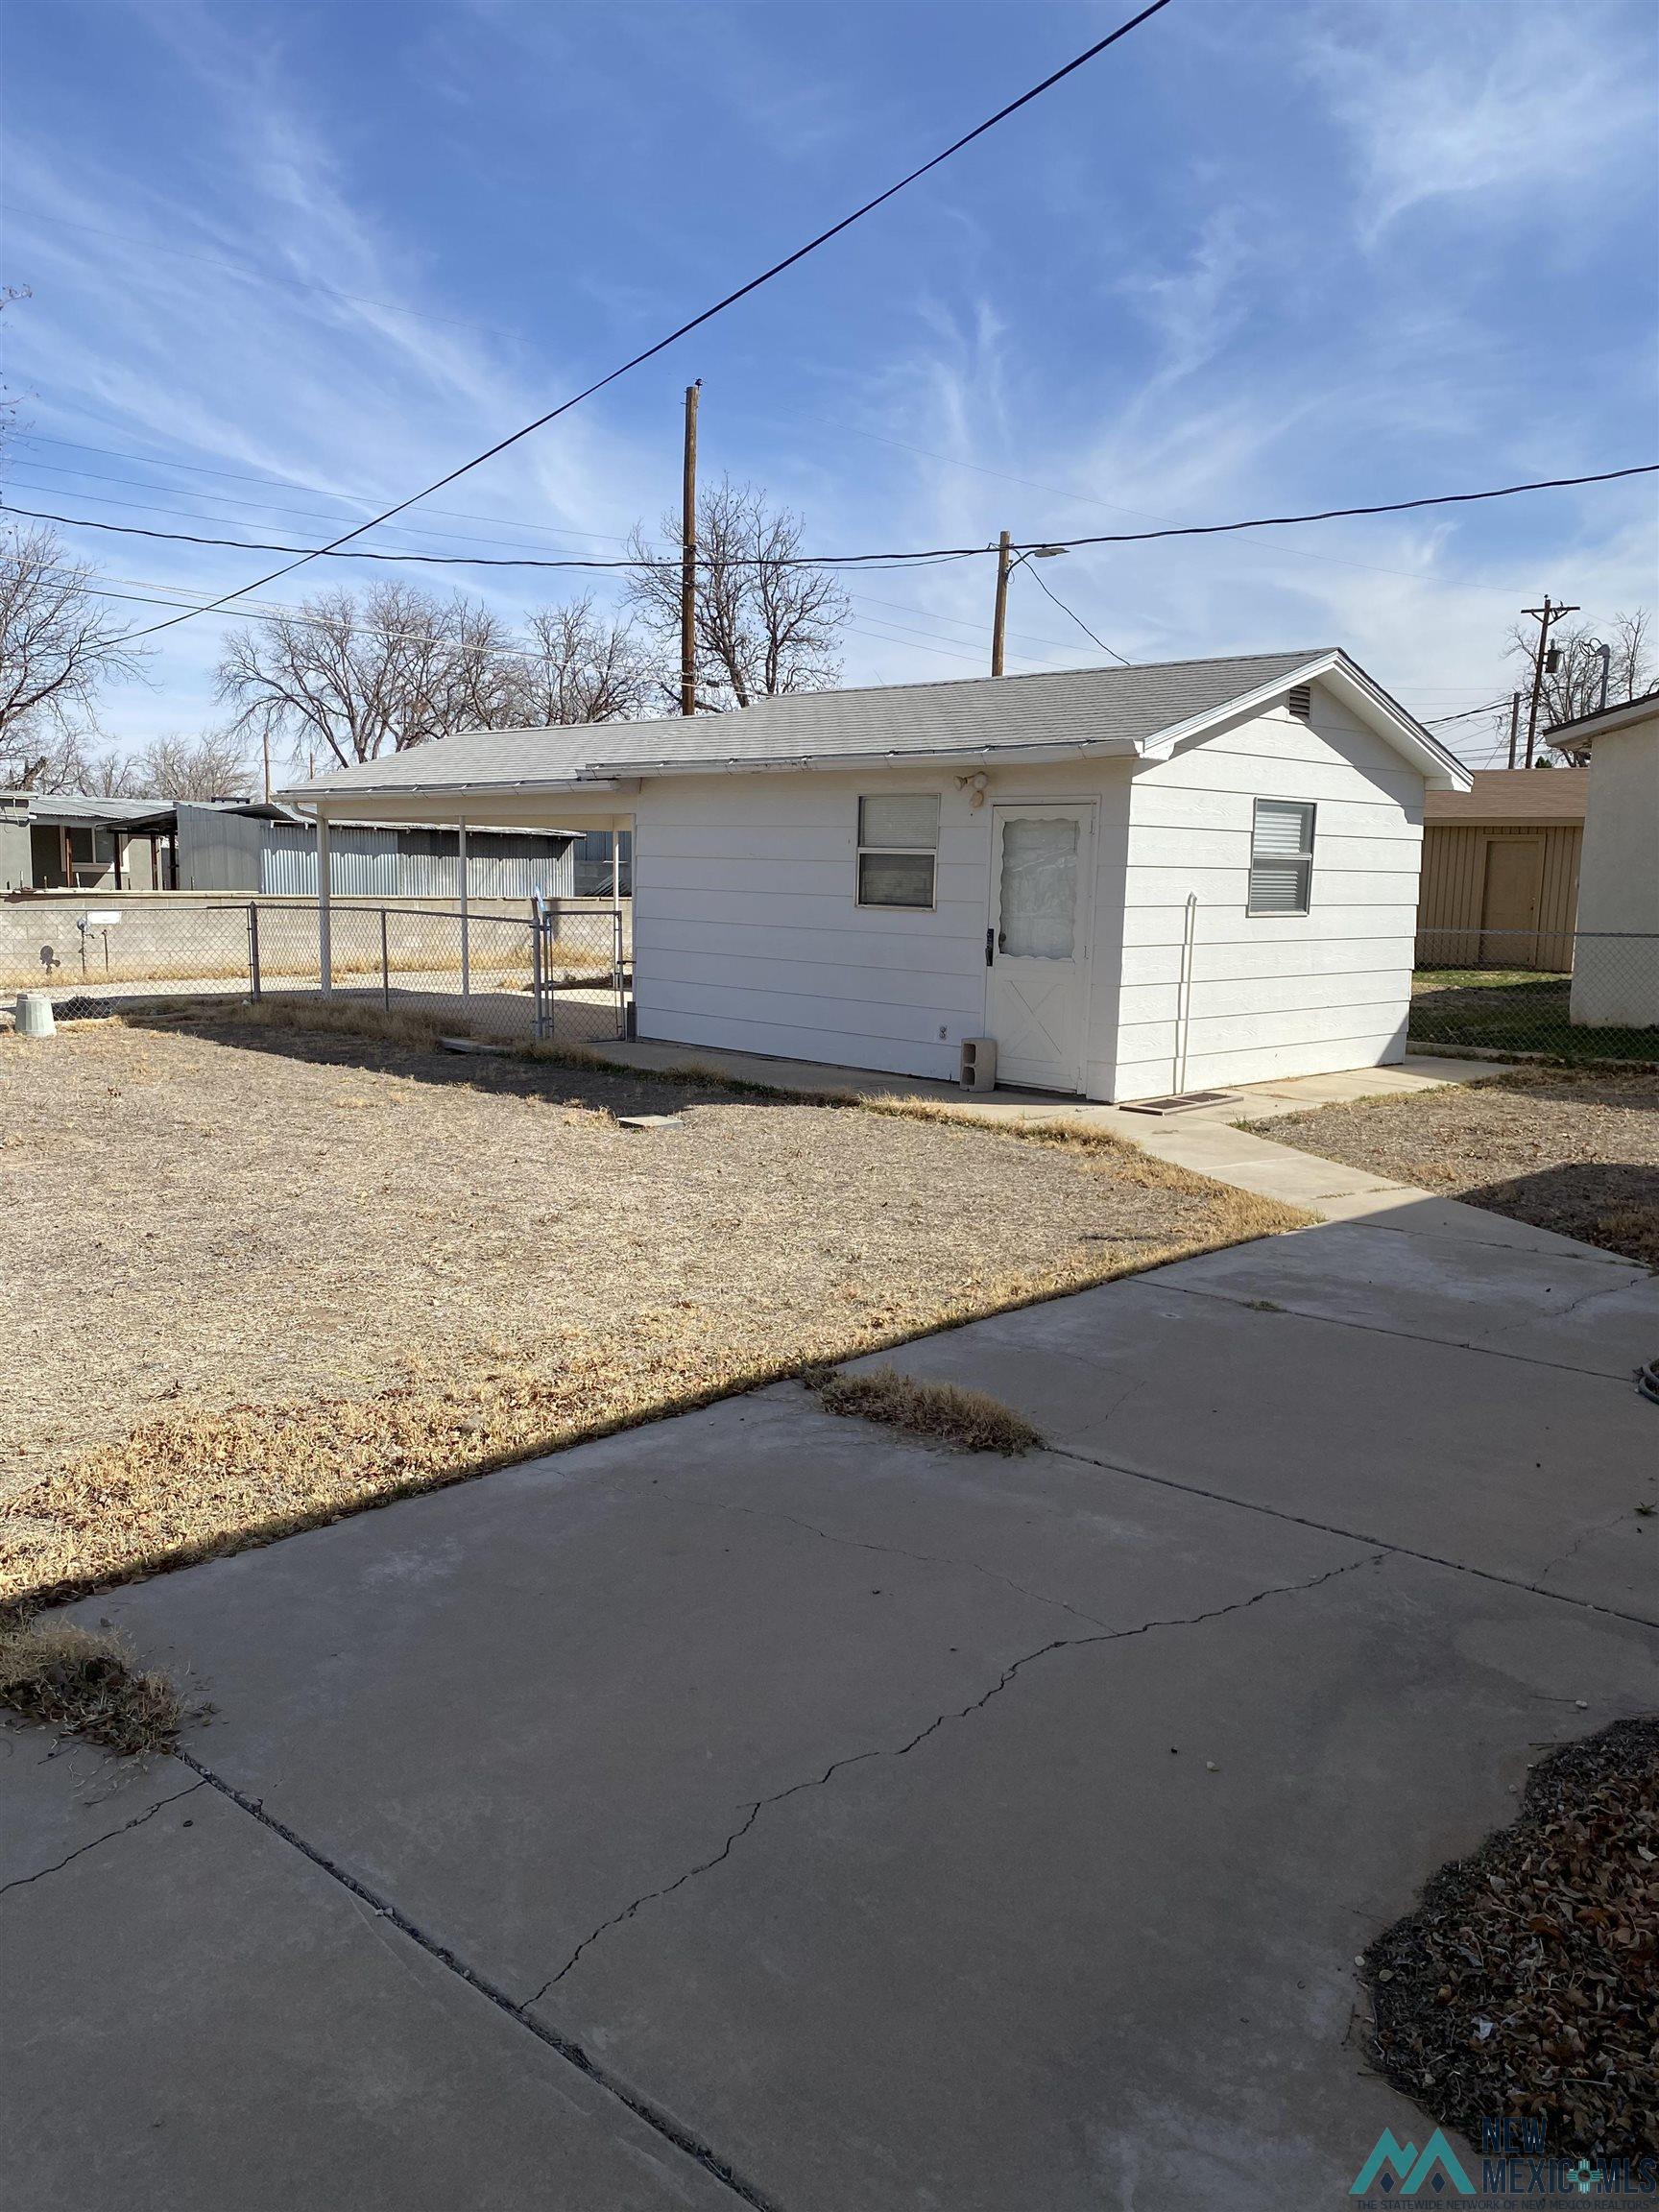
x=1042 y=897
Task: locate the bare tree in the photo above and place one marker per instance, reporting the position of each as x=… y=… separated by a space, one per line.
x=579 y=667
x=58 y=648
x=211 y=766
x=1573 y=685
x=362 y=676
x=764 y=623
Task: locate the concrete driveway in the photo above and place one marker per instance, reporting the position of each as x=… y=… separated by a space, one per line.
x=755 y=1808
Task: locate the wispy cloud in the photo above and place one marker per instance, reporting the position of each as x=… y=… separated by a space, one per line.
x=1455 y=104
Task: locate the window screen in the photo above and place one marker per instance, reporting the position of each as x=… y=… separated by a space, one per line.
x=1280 y=857
x=897 y=849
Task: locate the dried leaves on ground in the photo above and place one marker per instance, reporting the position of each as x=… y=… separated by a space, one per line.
x=972 y=1420
x=1574 y=1151
x=84 y=1682
x=1527 y=1983
x=255 y=1277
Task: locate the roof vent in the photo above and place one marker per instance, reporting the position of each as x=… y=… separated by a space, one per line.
x=1300 y=701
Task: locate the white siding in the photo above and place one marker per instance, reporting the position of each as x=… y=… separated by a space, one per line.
x=748 y=933
x=1615 y=977
x=1271 y=996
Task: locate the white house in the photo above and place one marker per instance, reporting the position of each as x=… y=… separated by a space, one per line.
x=1616 y=956
x=1137 y=880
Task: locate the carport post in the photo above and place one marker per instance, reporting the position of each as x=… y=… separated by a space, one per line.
x=466 y=924
x=325 y=915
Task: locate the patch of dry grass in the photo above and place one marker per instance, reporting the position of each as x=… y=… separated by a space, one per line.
x=972 y=1420
x=1572 y=1149
x=83 y=1682
x=315 y=1268
x=1527 y=1983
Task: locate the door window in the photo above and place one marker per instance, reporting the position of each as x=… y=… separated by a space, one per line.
x=1038 y=912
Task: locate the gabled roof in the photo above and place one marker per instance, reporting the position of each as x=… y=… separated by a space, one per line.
x=1141 y=711
x=1623 y=714
x=1505 y=796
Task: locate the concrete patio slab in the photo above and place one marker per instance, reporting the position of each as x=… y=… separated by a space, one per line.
x=1575 y=1312
x=1526 y=1471
x=515 y=1705
x=913 y=1829
x=200 y=2018
x=1090 y=1942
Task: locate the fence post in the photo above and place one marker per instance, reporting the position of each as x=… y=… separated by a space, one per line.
x=617 y=969
x=253 y=948
x=466 y=914
x=385 y=965
x=535 y=969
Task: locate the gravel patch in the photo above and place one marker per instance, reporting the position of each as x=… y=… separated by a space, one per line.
x=1525 y=1984
x=252 y=1279
x=1577 y=1152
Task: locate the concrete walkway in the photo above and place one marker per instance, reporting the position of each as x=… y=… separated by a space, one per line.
x=756 y=1808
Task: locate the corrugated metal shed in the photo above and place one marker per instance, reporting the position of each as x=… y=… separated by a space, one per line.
x=270 y=851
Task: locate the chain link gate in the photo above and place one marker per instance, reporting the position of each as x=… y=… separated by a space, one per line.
x=579 y=980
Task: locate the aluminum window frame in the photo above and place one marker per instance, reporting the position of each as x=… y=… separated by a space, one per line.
x=1302 y=860
x=927 y=853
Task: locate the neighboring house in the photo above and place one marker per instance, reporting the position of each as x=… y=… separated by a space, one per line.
x=1500 y=870
x=256 y=845
x=1137 y=880
x=78 y=844
x=1615 y=971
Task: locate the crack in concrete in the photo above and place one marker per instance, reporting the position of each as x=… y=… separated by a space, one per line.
x=1485 y=1347
x=1596 y=1528
x=923 y=1558
x=903 y=1750
x=659 y=2122
x=1351 y=1535
x=22 y=1881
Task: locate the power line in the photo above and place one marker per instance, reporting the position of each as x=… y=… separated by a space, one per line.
x=284 y=484
x=161 y=507
x=1468 y=715
x=255 y=275
x=1079 y=619
x=1080 y=499
x=915 y=556
x=708 y=314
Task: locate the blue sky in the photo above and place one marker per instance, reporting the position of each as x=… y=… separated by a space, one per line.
x=1264 y=254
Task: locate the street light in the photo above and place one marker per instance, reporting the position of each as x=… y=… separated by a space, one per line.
x=1005 y=567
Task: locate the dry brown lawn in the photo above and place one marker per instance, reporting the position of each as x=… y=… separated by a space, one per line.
x=254 y=1277
x=1572 y=1151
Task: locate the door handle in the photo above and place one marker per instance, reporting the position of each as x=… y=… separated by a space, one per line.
x=990 y=946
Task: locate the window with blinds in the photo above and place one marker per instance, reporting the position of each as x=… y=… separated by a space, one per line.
x=1280 y=857
x=897 y=849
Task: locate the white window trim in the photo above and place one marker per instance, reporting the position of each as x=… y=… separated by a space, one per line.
x=927 y=853
x=1304 y=859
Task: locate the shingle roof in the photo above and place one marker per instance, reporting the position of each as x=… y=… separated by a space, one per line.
x=968 y=714
x=1504 y=795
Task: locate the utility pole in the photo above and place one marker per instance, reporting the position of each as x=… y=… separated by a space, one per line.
x=1544 y=616
x=1000 y=619
x=265 y=735
x=688 y=556
x=1514 y=724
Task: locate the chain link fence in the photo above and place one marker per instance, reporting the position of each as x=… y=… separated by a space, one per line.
x=1589 y=996
x=556 y=969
